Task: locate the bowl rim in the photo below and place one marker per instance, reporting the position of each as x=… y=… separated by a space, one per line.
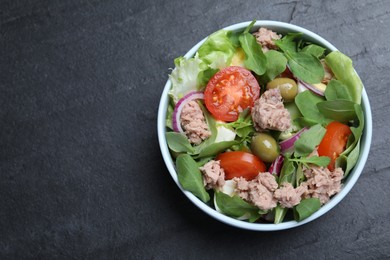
x=353 y=176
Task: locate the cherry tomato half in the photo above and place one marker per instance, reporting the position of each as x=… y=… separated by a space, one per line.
x=241 y=164
x=334 y=142
x=230 y=91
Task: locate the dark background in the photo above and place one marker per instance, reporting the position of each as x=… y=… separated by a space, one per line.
x=81 y=174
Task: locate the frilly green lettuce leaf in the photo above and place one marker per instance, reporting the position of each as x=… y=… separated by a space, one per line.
x=217 y=51
x=184 y=77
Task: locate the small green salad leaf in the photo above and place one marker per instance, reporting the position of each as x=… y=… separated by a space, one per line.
x=335 y=90
x=243 y=126
x=356 y=131
x=288 y=172
x=306 y=208
x=288 y=42
x=190 y=176
x=341 y=66
x=236 y=207
x=315 y=50
x=179 y=143
x=255 y=59
x=276 y=64
x=306 y=102
x=339 y=110
x=308 y=141
x=305 y=66
x=317 y=160
x=280 y=213
x=215 y=148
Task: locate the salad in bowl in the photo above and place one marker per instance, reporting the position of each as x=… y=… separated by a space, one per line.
x=264 y=125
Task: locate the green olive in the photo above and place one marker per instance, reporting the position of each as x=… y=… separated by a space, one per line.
x=288 y=88
x=265 y=147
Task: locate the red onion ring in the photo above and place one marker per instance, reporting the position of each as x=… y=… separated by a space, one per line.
x=276 y=166
x=289 y=143
x=179 y=107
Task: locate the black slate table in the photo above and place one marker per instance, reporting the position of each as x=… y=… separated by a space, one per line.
x=81 y=174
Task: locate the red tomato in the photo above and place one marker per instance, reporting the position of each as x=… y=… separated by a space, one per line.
x=334 y=142
x=230 y=91
x=241 y=164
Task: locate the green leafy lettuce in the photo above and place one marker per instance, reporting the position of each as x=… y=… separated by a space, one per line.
x=184 y=76
x=341 y=66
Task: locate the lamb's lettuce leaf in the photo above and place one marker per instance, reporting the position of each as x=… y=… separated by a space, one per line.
x=255 y=59
x=276 y=64
x=341 y=66
x=306 y=208
x=315 y=50
x=236 y=207
x=190 y=176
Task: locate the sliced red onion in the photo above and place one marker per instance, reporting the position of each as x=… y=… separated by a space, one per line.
x=311 y=87
x=289 y=143
x=276 y=166
x=179 y=107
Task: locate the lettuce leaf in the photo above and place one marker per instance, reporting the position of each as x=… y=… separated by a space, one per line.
x=342 y=68
x=217 y=51
x=193 y=74
x=184 y=77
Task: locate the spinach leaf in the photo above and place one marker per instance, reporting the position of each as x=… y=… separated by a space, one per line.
x=314 y=49
x=306 y=208
x=255 y=59
x=356 y=131
x=352 y=159
x=305 y=66
x=249 y=27
x=307 y=101
x=339 y=110
x=190 y=176
x=179 y=143
x=294 y=113
x=317 y=160
x=288 y=43
x=205 y=75
x=287 y=173
x=213 y=129
x=348 y=162
x=280 y=213
x=202 y=161
x=341 y=66
x=236 y=207
x=215 y=148
x=300 y=175
x=335 y=90
x=308 y=141
x=304 y=121
x=169 y=119
x=276 y=64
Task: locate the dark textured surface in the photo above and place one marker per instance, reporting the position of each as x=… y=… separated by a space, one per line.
x=81 y=171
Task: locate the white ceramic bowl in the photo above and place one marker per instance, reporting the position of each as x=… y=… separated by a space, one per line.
x=282 y=28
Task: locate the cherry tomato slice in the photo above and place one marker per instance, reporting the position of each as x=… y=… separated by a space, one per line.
x=241 y=164
x=334 y=142
x=230 y=91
